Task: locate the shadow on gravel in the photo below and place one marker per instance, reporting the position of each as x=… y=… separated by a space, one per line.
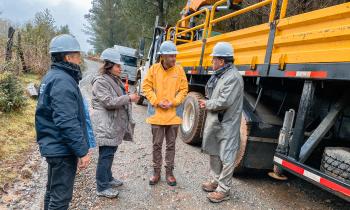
x=294 y=186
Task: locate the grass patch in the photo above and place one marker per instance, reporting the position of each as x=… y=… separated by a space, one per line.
x=17 y=136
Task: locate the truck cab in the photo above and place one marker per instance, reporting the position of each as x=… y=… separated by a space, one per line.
x=129 y=58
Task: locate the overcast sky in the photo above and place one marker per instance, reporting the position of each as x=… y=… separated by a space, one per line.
x=69 y=12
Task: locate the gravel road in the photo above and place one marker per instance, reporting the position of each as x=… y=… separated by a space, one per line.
x=132 y=164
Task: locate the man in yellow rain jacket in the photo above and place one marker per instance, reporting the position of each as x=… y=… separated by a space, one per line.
x=165 y=87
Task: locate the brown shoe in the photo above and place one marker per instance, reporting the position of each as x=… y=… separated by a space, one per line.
x=209 y=186
x=170 y=178
x=217 y=197
x=155 y=178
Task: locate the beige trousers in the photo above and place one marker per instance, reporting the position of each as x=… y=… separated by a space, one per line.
x=222 y=173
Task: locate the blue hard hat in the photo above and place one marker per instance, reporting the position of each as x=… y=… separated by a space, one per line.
x=168 y=48
x=112 y=55
x=64 y=43
x=223 y=49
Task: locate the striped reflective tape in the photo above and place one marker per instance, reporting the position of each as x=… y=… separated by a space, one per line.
x=192 y=72
x=306 y=74
x=325 y=182
x=249 y=73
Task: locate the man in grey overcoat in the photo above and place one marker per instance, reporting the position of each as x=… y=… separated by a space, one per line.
x=221 y=137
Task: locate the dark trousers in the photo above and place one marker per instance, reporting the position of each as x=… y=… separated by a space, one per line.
x=60 y=182
x=104 y=167
x=169 y=133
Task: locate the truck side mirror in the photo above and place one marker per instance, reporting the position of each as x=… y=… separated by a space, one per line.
x=142 y=47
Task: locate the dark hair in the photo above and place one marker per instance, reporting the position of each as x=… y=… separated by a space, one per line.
x=227 y=59
x=57 y=57
x=106 y=68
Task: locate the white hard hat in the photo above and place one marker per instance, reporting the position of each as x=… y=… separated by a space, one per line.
x=64 y=43
x=223 y=49
x=112 y=55
x=168 y=48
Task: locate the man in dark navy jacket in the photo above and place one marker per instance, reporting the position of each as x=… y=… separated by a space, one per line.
x=60 y=122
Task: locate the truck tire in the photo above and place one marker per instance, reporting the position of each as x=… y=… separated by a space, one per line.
x=336 y=162
x=193 y=119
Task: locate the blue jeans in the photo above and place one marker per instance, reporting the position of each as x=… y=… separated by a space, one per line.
x=104 y=167
x=60 y=181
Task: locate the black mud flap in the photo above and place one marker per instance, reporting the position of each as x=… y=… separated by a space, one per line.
x=262 y=140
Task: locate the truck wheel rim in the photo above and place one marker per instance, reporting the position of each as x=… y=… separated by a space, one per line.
x=188 y=117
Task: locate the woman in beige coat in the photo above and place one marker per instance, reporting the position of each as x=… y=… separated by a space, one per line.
x=112 y=120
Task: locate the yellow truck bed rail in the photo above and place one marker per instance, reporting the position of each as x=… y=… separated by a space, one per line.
x=240 y=12
x=320 y=36
x=184 y=31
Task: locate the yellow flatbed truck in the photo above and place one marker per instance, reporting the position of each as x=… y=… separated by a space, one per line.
x=297 y=79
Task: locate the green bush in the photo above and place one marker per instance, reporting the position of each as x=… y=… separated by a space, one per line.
x=13 y=66
x=12 y=96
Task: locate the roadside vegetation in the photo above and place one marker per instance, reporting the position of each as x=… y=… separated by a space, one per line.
x=17 y=135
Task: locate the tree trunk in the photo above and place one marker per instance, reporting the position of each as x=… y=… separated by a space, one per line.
x=110 y=20
x=20 y=53
x=9 y=45
x=303 y=6
x=161 y=12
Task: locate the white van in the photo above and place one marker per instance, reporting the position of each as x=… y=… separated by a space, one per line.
x=129 y=58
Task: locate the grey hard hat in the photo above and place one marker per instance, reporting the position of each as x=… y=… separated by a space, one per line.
x=112 y=55
x=168 y=48
x=223 y=49
x=64 y=43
